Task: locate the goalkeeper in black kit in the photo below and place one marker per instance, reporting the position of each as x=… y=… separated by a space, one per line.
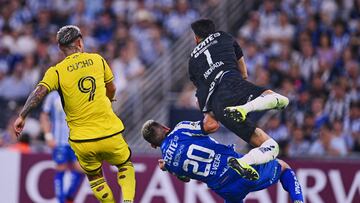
x=218 y=70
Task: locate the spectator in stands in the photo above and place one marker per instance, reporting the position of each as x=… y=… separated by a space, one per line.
x=268 y=16
x=141 y=31
x=278 y=131
x=179 y=20
x=327 y=145
x=338 y=103
x=156 y=45
x=352 y=127
x=310 y=132
x=298 y=145
x=15 y=87
x=281 y=32
x=318 y=87
x=317 y=108
x=187 y=99
x=128 y=65
x=8 y=137
x=250 y=31
x=307 y=61
x=80 y=14
x=105 y=28
x=288 y=89
x=353 y=78
x=285 y=56
x=121 y=35
x=340 y=38
x=44 y=27
x=325 y=51
x=31 y=71
x=340 y=134
x=276 y=76
x=254 y=59
x=262 y=78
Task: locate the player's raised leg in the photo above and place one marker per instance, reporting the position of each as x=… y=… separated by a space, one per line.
x=267 y=100
x=268 y=150
x=290 y=183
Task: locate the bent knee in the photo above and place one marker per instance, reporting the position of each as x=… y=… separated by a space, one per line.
x=283 y=164
x=274 y=146
x=210 y=125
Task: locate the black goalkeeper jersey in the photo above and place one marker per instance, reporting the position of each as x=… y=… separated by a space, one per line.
x=218 y=52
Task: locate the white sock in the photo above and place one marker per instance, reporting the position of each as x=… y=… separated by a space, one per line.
x=265 y=102
x=266 y=152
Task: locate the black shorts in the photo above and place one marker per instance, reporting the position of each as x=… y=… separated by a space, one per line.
x=234 y=91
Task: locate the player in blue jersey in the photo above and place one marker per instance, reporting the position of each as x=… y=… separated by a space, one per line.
x=189 y=154
x=56 y=135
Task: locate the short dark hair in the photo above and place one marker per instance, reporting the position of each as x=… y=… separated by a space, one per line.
x=148 y=131
x=68 y=34
x=203 y=27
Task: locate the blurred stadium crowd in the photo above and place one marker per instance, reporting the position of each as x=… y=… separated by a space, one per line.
x=308 y=50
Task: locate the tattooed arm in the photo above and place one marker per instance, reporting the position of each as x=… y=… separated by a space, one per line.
x=33 y=101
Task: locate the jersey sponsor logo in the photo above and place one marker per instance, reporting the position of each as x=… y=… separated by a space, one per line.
x=80 y=64
x=178 y=155
x=203 y=45
x=169 y=152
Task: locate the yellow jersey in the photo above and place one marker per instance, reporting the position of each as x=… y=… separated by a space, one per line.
x=80 y=80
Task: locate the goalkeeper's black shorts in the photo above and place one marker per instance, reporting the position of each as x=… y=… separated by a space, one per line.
x=233 y=91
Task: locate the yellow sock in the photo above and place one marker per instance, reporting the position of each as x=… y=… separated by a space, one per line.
x=126 y=180
x=102 y=190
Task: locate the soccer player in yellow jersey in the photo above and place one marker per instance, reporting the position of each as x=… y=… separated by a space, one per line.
x=84 y=82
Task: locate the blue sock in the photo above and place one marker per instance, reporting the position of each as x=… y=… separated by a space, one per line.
x=291 y=185
x=74 y=185
x=59 y=186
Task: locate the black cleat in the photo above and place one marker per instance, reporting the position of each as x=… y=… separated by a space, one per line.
x=237 y=113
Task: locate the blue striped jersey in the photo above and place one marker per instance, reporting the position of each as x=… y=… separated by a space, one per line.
x=52 y=105
x=188 y=152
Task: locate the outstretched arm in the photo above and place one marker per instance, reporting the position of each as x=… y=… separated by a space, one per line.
x=210 y=124
x=162 y=167
x=33 y=101
x=110 y=91
x=242 y=68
